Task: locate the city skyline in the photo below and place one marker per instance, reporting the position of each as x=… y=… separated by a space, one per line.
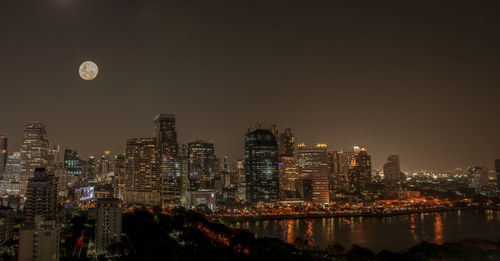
x=415 y=79
x=378 y=163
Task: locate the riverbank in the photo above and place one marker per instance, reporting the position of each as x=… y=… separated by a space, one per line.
x=250 y=218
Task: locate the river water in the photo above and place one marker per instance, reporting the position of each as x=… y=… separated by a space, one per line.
x=377 y=233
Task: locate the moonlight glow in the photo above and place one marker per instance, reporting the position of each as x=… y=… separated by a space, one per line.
x=88 y=70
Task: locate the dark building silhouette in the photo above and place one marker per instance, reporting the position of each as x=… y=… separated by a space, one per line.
x=304 y=188
x=497 y=169
x=165 y=134
x=3 y=154
x=392 y=171
x=41 y=196
x=360 y=169
x=72 y=163
x=287 y=143
x=201 y=165
x=261 y=166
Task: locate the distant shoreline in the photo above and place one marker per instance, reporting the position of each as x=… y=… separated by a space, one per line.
x=235 y=219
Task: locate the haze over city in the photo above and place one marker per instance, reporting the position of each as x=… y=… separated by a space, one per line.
x=417 y=79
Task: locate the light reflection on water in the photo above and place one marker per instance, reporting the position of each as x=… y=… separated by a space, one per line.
x=378 y=233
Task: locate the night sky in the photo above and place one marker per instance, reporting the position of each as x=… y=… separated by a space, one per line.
x=416 y=78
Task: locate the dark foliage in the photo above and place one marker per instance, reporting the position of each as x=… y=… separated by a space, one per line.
x=188 y=235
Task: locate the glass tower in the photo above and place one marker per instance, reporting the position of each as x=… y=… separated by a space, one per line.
x=261 y=166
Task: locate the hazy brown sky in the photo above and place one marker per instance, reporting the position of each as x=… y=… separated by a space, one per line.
x=417 y=78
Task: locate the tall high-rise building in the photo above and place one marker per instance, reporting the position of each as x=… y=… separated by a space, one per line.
x=288 y=176
x=497 y=169
x=313 y=164
x=287 y=143
x=261 y=166
x=360 y=169
x=142 y=177
x=338 y=169
x=41 y=196
x=40 y=241
x=39 y=237
x=13 y=166
x=91 y=168
x=165 y=134
x=72 y=163
x=392 y=170
x=34 y=150
x=3 y=154
x=119 y=174
x=276 y=133
x=7 y=223
x=173 y=170
x=202 y=165
x=105 y=163
x=241 y=181
x=478 y=177
x=108 y=225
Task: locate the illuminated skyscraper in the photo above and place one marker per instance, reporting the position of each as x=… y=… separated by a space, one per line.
x=13 y=166
x=201 y=165
x=241 y=182
x=3 y=154
x=338 y=169
x=142 y=177
x=119 y=174
x=34 y=150
x=173 y=170
x=360 y=169
x=91 y=167
x=334 y=178
x=72 y=162
x=261 y=166
x=165 y=134
x=105 y=164
x=313 y=165
x=288 y=175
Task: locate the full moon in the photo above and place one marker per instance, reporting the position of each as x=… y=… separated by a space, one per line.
x=88 y=70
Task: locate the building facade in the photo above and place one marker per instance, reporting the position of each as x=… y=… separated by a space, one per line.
x=108 y=227
x=478 y=177
x=360 y=169
x=142 y=176
x=201 y=165
x=313 y=164
x=165 y=134
x=288 y=176
x=72 y=163
x=34 y=150
x=40 y=241
x=261 y=166
x=392 y=171
x=3 y=155
x=41 y=196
